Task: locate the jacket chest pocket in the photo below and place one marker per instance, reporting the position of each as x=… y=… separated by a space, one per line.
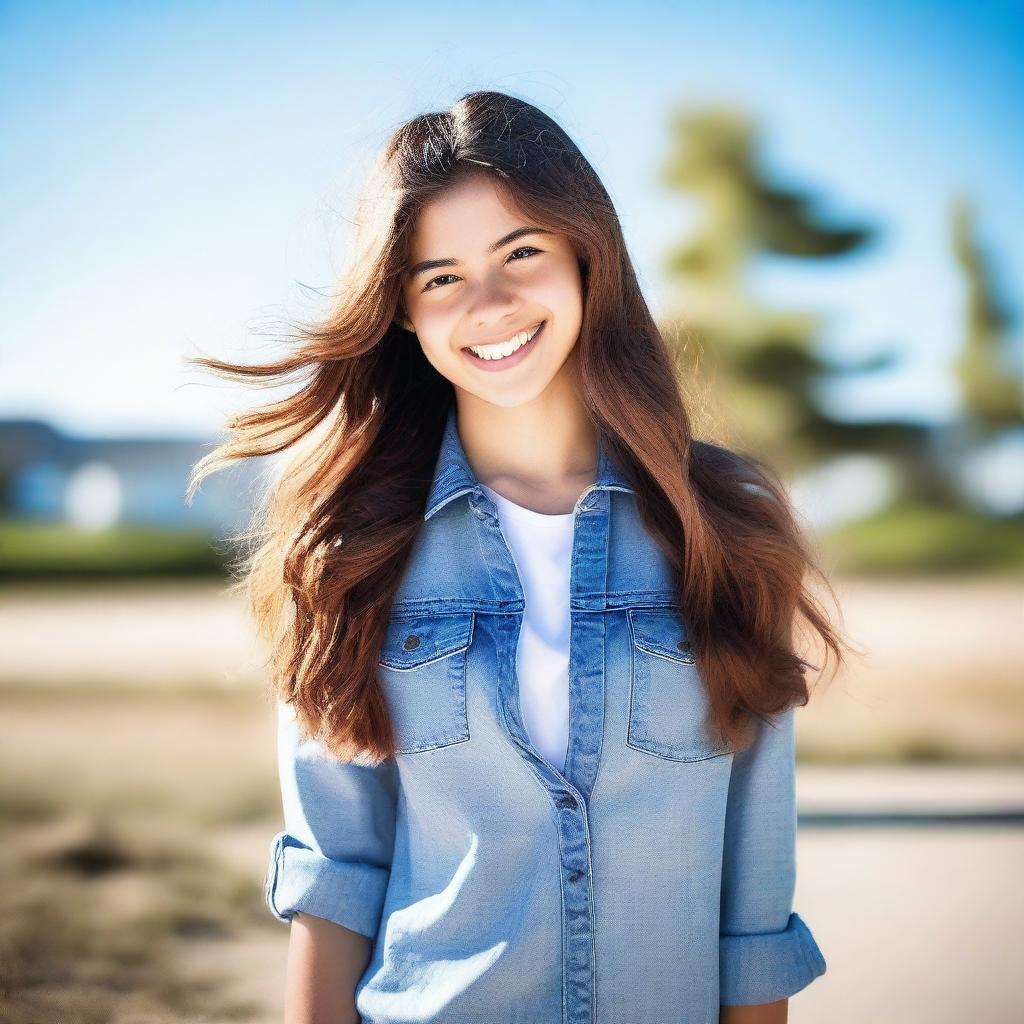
x=422 y=669
x=668 y=704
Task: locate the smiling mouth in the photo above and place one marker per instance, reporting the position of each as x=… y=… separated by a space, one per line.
x=505 y=350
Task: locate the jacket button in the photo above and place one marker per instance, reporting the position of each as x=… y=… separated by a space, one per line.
x=412 y=641
x=683 y=645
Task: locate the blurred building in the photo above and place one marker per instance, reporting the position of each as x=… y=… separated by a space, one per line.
x=94 y=482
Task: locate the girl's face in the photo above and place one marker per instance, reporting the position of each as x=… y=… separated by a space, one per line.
x=469 y=283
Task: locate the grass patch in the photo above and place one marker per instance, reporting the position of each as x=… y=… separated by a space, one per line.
x=20 y=805
x=923 y=540
x=204 y=691
x=73 y=950
x=912 y=749
x=52 y=552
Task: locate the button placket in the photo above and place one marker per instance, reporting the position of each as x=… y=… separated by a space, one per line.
x=568 y=787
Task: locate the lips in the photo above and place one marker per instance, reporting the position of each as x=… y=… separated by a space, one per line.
x=491 y=365
x=511 y=334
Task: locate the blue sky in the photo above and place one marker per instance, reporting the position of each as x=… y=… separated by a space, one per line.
x=174 y=174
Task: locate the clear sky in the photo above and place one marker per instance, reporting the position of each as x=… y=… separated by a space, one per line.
x=174 y=175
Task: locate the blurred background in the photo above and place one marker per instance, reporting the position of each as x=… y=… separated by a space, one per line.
x=823 y=202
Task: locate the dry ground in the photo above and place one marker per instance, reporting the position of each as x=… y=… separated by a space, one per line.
x=138 y=797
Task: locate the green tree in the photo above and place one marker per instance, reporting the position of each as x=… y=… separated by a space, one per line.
x=764 y=365
x=988 y=370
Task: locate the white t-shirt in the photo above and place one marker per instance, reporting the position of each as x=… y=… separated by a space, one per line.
x=542 y=549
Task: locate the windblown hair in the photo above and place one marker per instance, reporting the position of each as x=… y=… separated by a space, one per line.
x=330 y=540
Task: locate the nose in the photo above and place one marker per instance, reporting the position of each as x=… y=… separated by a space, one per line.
x=493 y=305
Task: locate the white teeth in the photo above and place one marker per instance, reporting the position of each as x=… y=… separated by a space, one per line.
x=504 y=348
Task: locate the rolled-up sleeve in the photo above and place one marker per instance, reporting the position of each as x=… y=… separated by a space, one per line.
x=333 y=857
x=766 y=951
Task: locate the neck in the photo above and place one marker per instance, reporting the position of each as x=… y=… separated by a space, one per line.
x=541 y=455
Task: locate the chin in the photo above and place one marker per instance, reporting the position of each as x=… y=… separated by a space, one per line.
x=506 y=398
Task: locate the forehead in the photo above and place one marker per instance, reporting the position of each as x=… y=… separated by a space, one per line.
x=473 y=212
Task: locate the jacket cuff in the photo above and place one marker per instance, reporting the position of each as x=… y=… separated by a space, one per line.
x=767 y=966
x=300 y=878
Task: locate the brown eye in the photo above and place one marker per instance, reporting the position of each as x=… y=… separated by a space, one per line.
x=441 y=277
x=525 y=248
x=528 y=249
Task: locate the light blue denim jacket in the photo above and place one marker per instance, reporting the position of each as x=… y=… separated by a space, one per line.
x=649 y=883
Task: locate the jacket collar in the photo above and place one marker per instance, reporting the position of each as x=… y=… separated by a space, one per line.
x=453 y=475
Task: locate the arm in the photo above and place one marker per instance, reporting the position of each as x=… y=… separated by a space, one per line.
x=763 y=1013
x=766 y=952
x=329 y=870
x=325 y=962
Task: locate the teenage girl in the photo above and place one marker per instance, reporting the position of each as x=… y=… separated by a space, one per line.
x=532 y=640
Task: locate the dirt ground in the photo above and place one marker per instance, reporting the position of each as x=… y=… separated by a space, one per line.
x=138 y=798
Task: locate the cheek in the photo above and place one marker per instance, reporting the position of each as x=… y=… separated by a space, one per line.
x=434 y=331
x=559 y=287
x=433 y=323
x=437 y=352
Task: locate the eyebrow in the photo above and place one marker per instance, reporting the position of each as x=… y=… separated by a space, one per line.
x=419 y=268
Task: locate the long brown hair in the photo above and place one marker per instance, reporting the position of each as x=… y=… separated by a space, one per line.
x=331 y=538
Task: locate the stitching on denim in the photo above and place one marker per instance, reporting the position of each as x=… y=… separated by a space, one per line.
x=652 y=746
x=461 y=718
x=799 y=927
x=558 y=829
x=461 y=643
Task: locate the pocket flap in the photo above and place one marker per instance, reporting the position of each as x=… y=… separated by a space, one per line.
x=415 y=640
x=661 y=631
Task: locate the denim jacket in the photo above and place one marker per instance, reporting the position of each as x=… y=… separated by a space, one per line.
x=651 y=882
